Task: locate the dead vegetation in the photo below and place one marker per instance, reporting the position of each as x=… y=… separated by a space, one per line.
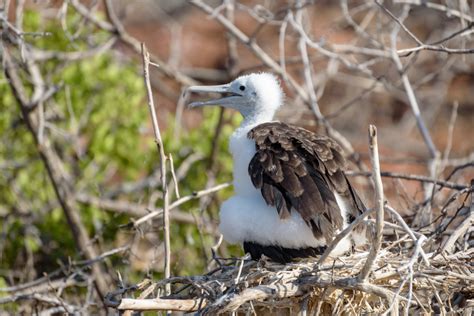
x=406 y=65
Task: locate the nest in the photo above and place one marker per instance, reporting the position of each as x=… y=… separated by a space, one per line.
x=411 y=274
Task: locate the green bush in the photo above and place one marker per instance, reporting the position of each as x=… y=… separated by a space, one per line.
x=99 y=124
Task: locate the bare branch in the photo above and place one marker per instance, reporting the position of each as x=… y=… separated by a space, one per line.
x=467 y=223
x=163 y=159
x=411 y=177
x=180 y=201
x=160 y=304
x=379 y=204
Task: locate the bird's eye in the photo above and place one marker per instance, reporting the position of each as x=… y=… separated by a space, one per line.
x=242 y=88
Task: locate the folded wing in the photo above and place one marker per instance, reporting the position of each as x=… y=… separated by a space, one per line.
x=298 y=170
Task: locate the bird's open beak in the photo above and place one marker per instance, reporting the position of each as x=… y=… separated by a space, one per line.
x=225 y=101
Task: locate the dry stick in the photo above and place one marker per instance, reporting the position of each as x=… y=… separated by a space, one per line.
x=117 y=28
x=231 y=41
x=47 y=283
x=409 y=277
x=131 y=209
x=461 y=51
x=177 y=203
x=449 y=137
x=387 y=11
x=43 y=55
x=330 y=130
x=251 y=44
x=360 y=30
x=164 y=68
x=211 y=178
x=157 y=304
x=66 y=308
x=308 y=76
x=343 y=234
x=281 y=48
x=425 y=214
x=458 y=232
x=422 y=46
x=411 y=97
x=463 y=227
x=151 y=181
x=159 y=144
x=410 y=232
x=410 y=177
x=326 y=52
x=379 y=202
x=85 y=12
x=173 y=176
x=439 y=7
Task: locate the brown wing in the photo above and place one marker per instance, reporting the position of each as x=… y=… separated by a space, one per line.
x=297 y=169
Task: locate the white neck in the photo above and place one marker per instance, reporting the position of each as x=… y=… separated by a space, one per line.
x=243 y=149
x=254 y=119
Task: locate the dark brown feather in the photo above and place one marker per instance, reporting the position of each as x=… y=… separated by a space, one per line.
x=296 y=169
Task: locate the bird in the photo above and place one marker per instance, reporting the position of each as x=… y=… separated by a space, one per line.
x=291 y=195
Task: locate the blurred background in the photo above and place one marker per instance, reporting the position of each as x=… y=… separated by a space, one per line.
x=78 y=162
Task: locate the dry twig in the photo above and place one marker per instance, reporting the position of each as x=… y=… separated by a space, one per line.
x=163 y=159
x=379 y=205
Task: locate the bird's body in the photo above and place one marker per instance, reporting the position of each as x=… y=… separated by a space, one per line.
x=247 y=217
x=291 y=195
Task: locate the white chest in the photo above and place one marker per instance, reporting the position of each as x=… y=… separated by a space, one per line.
x=242 y=149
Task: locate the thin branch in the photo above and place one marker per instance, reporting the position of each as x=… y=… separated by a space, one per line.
x=307 y=66
x=43 y=55
x=411 y=95
x=387 y=11
x=410 y=177
x=467 y=223
x=161 y=304
x=173 y=176
x=435 y=48
x=343 y=234
x=449 y=137
x=66 y=308
x=184 y=199
x=379 y=205
x=163 y=159
x=89 y=15
x=450 y=12
x=129 y=208
x=251 y=44
x=164 y=68
x=410 y=232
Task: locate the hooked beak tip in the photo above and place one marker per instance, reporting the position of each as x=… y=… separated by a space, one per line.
x=221 y=89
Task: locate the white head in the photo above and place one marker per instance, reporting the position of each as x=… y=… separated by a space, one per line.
x=253 y=95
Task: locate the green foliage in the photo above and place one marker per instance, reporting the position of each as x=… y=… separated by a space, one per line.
x=97 y=119
x=101 y=130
